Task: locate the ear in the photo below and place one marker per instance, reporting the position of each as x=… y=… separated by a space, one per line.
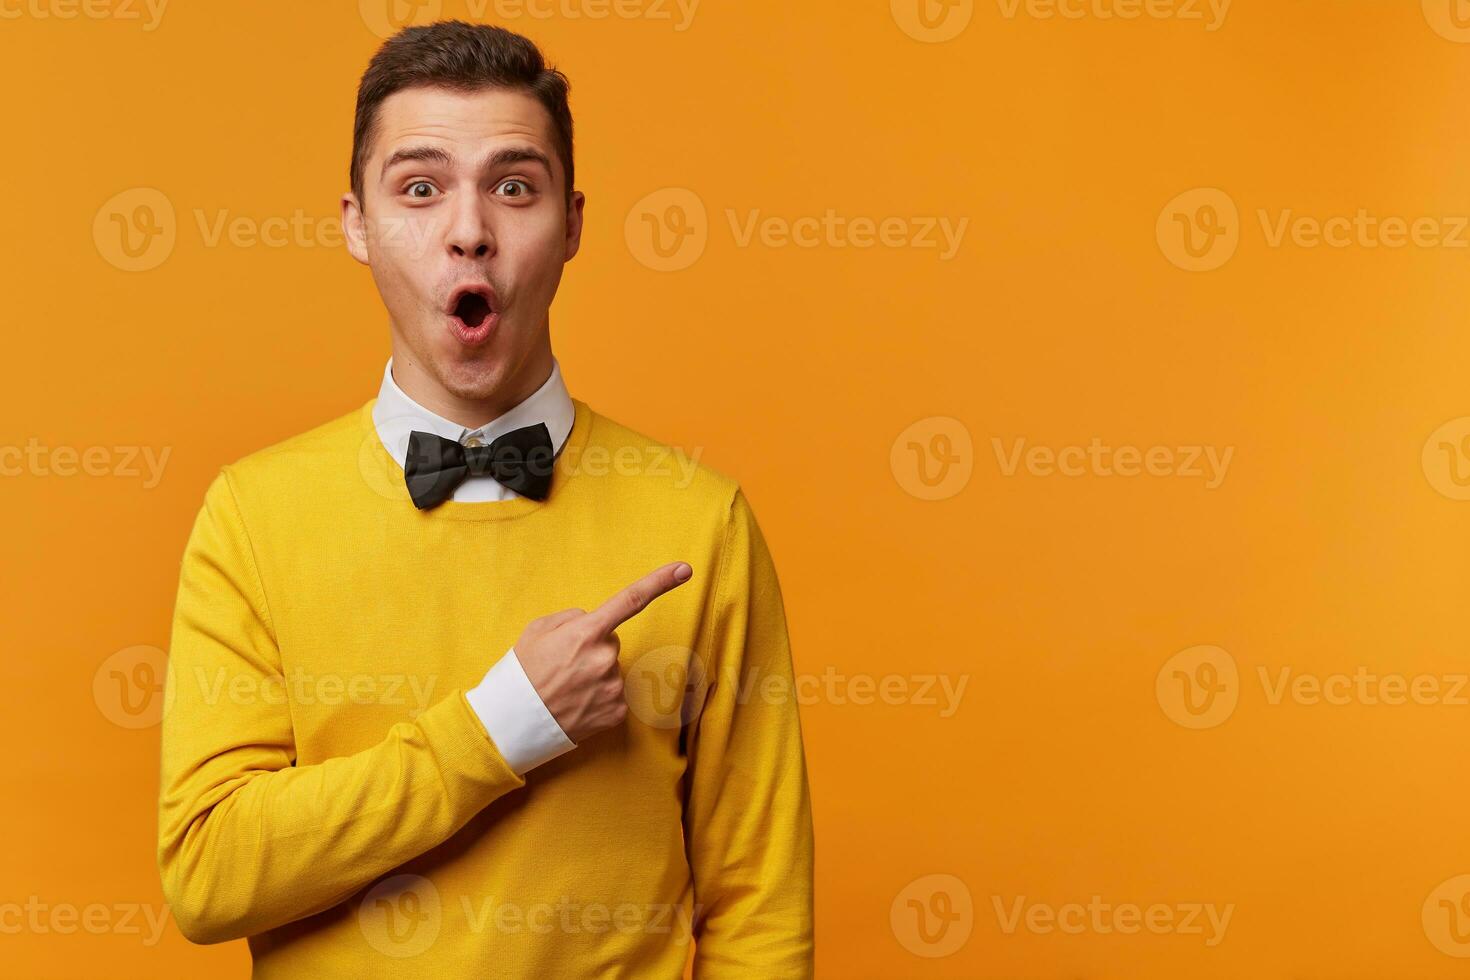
x=354 y=227
x=574 y=224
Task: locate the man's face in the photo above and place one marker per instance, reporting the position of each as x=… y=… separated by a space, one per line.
x=465 y=225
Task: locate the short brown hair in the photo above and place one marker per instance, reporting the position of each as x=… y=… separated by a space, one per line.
x=466 y=57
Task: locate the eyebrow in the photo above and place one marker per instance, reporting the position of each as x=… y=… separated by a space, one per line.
x=436 y=154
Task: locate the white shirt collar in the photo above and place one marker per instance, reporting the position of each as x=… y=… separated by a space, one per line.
x=396 y=415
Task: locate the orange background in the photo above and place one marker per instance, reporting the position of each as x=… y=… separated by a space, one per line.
x=1334 y=544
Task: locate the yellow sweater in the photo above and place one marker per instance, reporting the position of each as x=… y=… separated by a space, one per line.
x=328 y=792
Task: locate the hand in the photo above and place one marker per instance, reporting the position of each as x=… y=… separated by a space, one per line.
x=571 y=657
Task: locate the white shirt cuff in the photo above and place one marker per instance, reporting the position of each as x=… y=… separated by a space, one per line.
x=515 y=717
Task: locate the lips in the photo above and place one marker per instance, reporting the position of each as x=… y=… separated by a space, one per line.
x=473 y=312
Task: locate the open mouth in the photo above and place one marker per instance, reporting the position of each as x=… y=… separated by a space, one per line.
x=473 y=312
x=471 y=309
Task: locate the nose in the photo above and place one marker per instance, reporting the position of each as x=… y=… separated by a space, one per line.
x=469 y=232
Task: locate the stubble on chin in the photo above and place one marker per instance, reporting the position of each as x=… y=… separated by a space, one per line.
x=475 y=379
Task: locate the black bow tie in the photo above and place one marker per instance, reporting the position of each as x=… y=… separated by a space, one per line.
x=521 y=459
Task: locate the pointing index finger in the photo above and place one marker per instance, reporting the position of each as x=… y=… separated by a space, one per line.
x=630 y=601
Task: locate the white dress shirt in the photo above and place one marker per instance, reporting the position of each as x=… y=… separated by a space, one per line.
x=514 y=716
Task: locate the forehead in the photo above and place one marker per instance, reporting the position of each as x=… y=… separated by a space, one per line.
x=472 y=121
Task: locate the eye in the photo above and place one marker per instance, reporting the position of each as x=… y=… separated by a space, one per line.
x=420 y=188
x=513 y=182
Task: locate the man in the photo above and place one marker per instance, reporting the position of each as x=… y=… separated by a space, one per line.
x=474 y=681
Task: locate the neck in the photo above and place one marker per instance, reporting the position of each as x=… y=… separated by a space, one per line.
x=422 y=386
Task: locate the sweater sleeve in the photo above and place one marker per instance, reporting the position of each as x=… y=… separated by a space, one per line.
x=247 y=839
x=748 y=821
